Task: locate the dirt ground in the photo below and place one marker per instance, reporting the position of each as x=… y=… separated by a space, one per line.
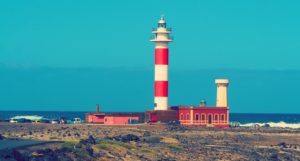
x=154 y=142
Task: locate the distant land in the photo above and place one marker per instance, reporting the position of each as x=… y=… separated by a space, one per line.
x=124 y=89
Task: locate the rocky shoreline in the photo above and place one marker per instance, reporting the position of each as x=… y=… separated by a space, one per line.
x=150 y=142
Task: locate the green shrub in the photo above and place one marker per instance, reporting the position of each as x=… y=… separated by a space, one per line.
x=82 y=154
x=69 y=144
x=144 y=150
x=107 y=144
x=175 y=146
x=103 y=146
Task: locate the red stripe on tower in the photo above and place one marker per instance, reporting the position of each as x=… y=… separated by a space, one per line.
x=161 y=88
x=161 y=56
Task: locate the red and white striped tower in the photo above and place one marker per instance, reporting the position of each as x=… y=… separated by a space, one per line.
x=161 y=39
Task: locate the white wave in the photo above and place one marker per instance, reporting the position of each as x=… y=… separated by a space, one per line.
x=281 y=124
x=29 y=117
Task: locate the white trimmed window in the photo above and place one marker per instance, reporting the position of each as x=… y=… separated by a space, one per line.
x=197 y=117
x=203 y=117
x=181 y=116
x=216 y=119
x=222 y=117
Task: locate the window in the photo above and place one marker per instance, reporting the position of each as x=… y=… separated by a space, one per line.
x=181 y=116
x=197 y=117
x=162 y=25
x=222 y=117
x=216 y=118
x=187 y=116
x=203 y=117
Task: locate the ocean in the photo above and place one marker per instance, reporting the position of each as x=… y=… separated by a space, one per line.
x=245 y=119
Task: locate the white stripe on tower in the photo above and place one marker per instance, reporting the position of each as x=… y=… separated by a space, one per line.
x=161 y=79
x=161 y=65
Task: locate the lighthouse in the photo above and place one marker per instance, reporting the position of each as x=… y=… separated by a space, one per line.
x=161 y=39
x=203 y=115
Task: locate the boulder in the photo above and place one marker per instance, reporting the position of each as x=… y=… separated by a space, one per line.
x=273 y=156
x=78 y=146
x=282 y=145
x=89 y=149
x=147 y=133
x=77 y=135
x=91 y=140
x=151 y=139
x=18 y=156
x=130 y=137
x=126 y=138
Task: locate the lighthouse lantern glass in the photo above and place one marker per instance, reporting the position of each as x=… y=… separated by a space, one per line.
x=162 y=25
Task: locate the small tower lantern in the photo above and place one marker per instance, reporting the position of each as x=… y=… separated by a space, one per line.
x=203 y=103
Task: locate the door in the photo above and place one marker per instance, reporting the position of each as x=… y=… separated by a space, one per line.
x=209 y=119
x=153 y=117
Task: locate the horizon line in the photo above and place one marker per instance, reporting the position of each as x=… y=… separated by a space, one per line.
x=134 y=111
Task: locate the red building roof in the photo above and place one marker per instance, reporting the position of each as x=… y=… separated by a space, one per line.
x=196 y=107
x=115 y=113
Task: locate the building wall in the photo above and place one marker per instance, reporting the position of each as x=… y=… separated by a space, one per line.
x=111 y=120
x=204 y=117
x=95 y=119
x=161 y=115
x=114 y=118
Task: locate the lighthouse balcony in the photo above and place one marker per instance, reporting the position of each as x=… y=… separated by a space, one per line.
x=161 y=40
x=164 y=30
x=155 y=39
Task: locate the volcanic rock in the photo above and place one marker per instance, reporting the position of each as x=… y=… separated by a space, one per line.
x=151 y=139
x=126 y=138
x=89 y=149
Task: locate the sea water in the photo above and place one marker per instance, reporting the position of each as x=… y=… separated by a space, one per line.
x=245 y=119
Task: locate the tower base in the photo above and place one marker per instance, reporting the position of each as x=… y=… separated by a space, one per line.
x=161 y=115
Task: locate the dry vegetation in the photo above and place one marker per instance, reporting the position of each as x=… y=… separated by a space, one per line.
x=154 y=142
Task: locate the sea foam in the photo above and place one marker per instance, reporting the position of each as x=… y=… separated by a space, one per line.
x=281 y=124
x=30 y=117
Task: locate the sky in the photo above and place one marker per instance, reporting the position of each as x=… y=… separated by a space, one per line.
x=70 y=55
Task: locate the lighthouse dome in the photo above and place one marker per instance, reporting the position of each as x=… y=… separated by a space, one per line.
x=161 y=21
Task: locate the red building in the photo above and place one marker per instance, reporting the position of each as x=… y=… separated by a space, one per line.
x=203 y=116
x=113 y=118
x=191 y=116
x=118 y=118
